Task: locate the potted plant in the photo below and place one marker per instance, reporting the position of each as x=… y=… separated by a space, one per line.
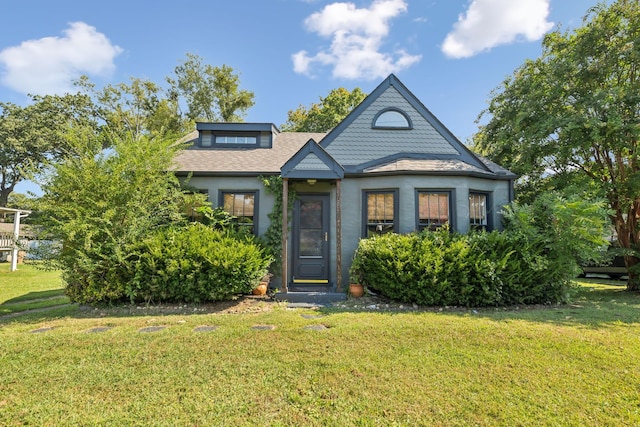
x=263 y=285
x=356 y=287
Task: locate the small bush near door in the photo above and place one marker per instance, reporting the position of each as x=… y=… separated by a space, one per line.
x=196 y=264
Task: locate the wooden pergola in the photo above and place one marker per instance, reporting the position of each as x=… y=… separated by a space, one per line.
x=9 y=243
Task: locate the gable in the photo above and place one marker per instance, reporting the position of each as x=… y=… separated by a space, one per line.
x=357 y=143
x=311 y=161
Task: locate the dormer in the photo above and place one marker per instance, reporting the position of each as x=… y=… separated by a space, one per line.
x=236 y=135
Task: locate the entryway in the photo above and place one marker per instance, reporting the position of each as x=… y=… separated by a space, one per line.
x=310 y=238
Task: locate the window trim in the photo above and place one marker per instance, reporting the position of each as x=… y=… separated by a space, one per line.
x=256 y=204
x=365 y=208
x=392 y=109
x=448 y=191
x=487 y=208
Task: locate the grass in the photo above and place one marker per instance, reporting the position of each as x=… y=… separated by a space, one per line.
x=564 y=365
x=29 y=289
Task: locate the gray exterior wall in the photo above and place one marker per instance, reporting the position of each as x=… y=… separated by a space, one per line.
x=352 y=209
x=214 y=185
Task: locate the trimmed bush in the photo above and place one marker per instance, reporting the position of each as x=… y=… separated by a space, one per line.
x=532 y=262
x=195 y=264
x=478 y=269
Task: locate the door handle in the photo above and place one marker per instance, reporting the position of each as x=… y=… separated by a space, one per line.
x=326 y=236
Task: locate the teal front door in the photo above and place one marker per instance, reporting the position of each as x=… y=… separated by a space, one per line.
x=311 y=243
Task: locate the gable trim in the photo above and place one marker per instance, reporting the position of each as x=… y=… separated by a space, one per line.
x=333 y=169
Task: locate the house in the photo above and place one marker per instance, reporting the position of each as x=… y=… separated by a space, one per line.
x=12 y=236
x=389 y=166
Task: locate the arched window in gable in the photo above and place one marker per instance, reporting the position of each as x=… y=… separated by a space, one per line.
x=391 y=118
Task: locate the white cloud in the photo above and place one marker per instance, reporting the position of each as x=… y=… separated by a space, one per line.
x=356 y=41
x=50 y=64
x=490 y=23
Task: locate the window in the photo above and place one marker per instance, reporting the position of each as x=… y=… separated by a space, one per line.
x=236 y=139
x=478 y=211
x=381 y=212
x=433 y=209
x=192 y=201
x=243 y=206
x=391 y=119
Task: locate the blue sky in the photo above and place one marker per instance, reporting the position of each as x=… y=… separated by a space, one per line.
x=449 y=53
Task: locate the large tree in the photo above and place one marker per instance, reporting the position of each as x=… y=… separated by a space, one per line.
x=33 y=136
x=211 y=93
x=575 y=112
x=136 y=110
x=325 y=115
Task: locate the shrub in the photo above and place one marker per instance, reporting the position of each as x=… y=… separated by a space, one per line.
x=98 y=205
x=436 y=268
x=532 y=262
x=195 y=264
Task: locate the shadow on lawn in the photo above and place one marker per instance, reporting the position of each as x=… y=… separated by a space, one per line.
x=596 y=303
x=242 y=304
x=592 y=307
x=35 y=296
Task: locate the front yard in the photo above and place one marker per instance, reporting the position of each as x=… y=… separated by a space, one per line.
x=563 y=365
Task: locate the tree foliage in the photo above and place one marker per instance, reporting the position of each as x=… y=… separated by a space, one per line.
x=211 y=93
x=136 y=110
x=33 y=136
x=575 y=112
x=325 y=115
x=101 y=204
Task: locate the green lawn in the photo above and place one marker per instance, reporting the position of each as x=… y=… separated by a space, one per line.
x=568 y=365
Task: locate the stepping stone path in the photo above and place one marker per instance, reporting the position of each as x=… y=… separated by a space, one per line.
x=263 y=327
x=152 y=329
x=316 y=327
x=204 y=328
x=312 y=316
x=41 y=330
x=99 y=329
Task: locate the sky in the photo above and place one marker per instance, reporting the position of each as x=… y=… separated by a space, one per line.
x=449 y=53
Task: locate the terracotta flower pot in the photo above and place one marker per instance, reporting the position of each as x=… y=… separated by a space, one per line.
x=356 y=290
x=261 y=289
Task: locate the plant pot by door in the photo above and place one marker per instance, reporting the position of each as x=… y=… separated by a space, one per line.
x=261 y=289
x=356 y=290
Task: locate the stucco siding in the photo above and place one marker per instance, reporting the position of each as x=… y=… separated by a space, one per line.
x=352 y=209
x=213 y=186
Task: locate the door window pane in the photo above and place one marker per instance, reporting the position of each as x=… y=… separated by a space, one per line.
x=310 y=242
x=311 y=228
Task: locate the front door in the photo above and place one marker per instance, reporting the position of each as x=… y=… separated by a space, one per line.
x=311 y=243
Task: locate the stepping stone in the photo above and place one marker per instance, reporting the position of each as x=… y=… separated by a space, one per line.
x=316 y=327
x=152 y=329
x=312 y=316
x=41 y=330
x=99 y=329
x=204 y=328
x=263 y=327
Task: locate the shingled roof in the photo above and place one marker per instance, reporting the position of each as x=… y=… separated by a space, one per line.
x=242 y=161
